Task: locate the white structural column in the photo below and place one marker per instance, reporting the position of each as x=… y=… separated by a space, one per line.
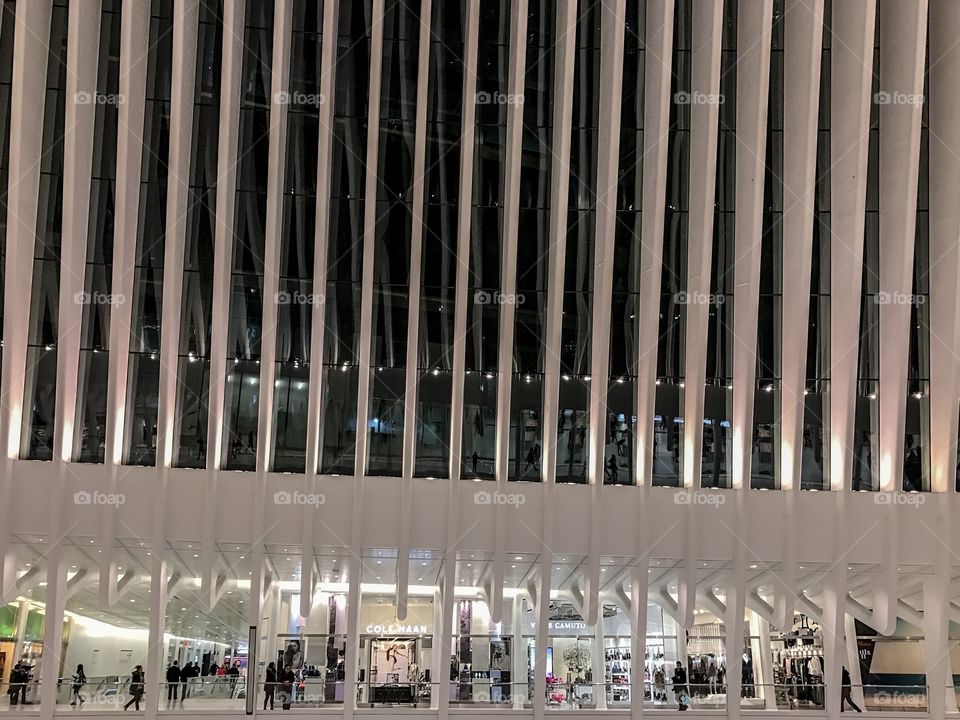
x=658 y=57
x=803 y=42
x=704 y=123
x=508 y=288
x=328 y=74
x=227 y=161
x=83 y=32
x=182 y=80
x=612 y=24
x=639 y=590
x=366 y=341
x=413 y=315
x=134 y=37
x=754 y=25
x=902 y=54
x=944 y=188
x=276 y=167
x=851 y=74
x=936 y=613
x=834 y=644
x=184 y=52
x=735 y=608
x=79 y=120
x=26 y=140
x=564 y=55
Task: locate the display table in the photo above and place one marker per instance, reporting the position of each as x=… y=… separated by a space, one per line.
x=391 y=694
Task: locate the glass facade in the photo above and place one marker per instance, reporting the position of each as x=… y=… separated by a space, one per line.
x=40 y=379
x=716 y=454
x=193 y=367
x=533 y=252
x=866 y=437
x=484 y=293
x=296 y=299
x=143 y=372
x=341 y=342
x=446 y=73
x=7 y=27
x=240 y=417
x=668 y=409
x=815 y=453
x=321 y=269
x=765 y=453
x=392 y=238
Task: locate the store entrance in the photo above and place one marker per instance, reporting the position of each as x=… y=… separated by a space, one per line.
x=390 y=671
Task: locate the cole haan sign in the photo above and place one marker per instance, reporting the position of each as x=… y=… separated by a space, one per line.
x=396 y=629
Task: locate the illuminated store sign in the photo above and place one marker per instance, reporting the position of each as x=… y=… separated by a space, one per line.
x=397 y=629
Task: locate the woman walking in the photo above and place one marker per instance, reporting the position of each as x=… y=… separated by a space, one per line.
x=79 y=680
x=270 y=686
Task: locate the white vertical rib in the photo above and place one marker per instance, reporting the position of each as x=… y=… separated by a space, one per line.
x=135 y=36
x=564 y=57
x=280 y=73
x=227 y=160
x=803 y=38
x=511 y=228
x=704 y=124
x=413 y=314
x=26 y=140
x=613 y=22
x=658 y=58
x=366 y=340
x=464 y=204
x=273 y=227
x=227 y=149
x=186 y=17
x=369 y=244
x=803 y=44
x=508 y=273
x=851 y=58
x=902 y=55
x=944 y=188
x=754 y=25
x=328 y=74
x=79 y=120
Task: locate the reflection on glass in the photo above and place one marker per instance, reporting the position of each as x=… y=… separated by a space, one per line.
x=296 y=300
x=342 y=301
x=143 y=371
x=765 y=455
x=7 y=28
x=193 y=369
x=40 y=378
x=244 y=329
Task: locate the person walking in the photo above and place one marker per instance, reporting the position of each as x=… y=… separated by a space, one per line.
x=712 y=677
x=680 y=686
x=136 y=688
x=16 y=679
x=79 y=680
x=287 y=679
x=185 y=674
x=845 y=690
x=270 y=685
x=173 y=681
